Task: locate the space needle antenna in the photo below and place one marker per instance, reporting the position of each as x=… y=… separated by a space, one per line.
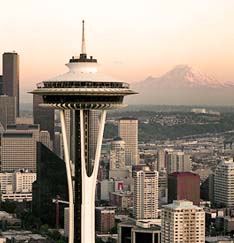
x=83 y=47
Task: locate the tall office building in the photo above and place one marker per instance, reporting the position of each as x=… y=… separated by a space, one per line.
x=105 y=219
x=7 y=110
x=82 y=89
x=18 y=147
x=182 y=222
x=58 y=145
x=184 y=186
x=161 y=160
x=117 y=154
x=51 y=182
x=43 y=116
x=45 y=139
x=128 y=131
x=145 y=202
x=177 y=161
x=224 y=184
x=10 y=78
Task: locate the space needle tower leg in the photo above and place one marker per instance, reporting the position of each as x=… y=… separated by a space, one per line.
x=69 y=178
x=89 y=183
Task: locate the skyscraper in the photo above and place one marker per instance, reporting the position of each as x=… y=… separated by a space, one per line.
x=145 y=202
x=51 y=181
x=10 y=82
x=82 y=89
x=182 y=222
x=117 y=154
x=18 y=147
x=224 y=184
x=177 y=161
x=42 y=116
x=184 y=186
x=45 y=139
x=161 y=160
x=128 y=131
x=7 y=110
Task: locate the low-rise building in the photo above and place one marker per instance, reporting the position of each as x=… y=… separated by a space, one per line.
x=139 y=231
x=123 y=200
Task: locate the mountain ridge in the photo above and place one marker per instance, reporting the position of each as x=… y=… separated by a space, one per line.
x=183 y=85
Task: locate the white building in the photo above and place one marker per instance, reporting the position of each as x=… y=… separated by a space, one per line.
x=182 y=222
x=17 y=196
x=224 y=184
x=117 y=154
x=17 y=185
x=18 y=147
x=145 y=202
x=178 y=161
x=128 y=131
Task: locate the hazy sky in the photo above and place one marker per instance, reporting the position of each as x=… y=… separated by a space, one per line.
x=132 y=39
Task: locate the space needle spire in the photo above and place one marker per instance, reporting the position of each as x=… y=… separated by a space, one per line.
x=83 y=47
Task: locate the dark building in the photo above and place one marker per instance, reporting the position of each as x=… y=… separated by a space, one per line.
x=10 y=78
x=184 y=186
x=7 y=110
x=104 y=219
x=43 y=116
x=51 y=182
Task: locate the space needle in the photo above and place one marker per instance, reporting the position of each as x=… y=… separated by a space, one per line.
x=82 y=89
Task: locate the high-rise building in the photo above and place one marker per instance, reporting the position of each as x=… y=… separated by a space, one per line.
x=117 y=154
x=7 y=110
x=161 y=160
x=128 y=131
x=162 y=184
x=224 y=184
x=10 y=78
x=177 y=161
x=184 y=186
x=82 y=89
x=51 y=182
x=182 y=222
x=105 y=219
x=58 y=146
x=43 y=116
x=45 y=139
x=145 y=202
x=18 y=147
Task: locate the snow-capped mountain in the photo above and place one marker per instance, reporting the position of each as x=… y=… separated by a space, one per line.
x=183 y=85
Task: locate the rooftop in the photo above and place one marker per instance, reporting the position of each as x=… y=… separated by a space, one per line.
x=181 y=204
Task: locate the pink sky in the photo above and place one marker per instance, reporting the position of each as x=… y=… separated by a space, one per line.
x=131 y=39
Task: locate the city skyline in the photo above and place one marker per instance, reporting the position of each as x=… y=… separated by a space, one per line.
x=163 y=33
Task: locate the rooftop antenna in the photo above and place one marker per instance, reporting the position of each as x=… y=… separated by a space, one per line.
x=83 y=47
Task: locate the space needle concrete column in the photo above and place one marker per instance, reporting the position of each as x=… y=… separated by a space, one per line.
x=83 y=89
